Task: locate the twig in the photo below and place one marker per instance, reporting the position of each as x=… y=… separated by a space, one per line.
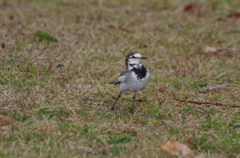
x=234 y=31
x=120 y=28
x=27 y=94
x=206 y=90
x=197 y=102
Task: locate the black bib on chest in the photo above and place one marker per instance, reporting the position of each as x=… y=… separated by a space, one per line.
x=141 y=72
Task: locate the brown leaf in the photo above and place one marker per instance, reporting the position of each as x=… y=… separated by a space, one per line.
x=128 y=129
x=224 y=52
x=50 y=66
x=218 y=51
x=112 y=26
x=234 y=15
x=190 y=8
x=6 y=121
x=176 y=148
x=212 y=50
x=140 y=99
x=27 y=32
x=59 y=77
x=161 y=89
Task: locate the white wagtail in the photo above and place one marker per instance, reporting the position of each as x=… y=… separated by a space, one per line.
x=134 y=78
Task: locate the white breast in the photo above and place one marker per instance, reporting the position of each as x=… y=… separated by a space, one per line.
x=134 y=84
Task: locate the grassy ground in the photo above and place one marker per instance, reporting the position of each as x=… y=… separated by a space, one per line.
x=64 y=112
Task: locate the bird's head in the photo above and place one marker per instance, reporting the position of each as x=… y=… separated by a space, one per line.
x=133 y=60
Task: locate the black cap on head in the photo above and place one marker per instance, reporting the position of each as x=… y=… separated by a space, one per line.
x=130 y=54
x=126 y=60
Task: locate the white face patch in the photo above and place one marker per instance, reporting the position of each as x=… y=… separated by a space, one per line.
x=134 y=60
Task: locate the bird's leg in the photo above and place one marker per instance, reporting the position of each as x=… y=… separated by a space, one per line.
x=113 y=106
x=134 y=97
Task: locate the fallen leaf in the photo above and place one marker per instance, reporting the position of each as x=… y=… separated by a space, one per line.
x=218 y=51
x=224 y=52
x=6 y=121
x=176 y=148
x=210 y=50
x=27 y=32
x=59 y=77
x=128 y=129
x=234 y=15
x=50 y=66
x=161 y=89
x=111 y=26
x=44 y=35
x=190 y=8
x=139 y=99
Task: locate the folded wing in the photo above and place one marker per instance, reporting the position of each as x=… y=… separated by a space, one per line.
x=122 y=78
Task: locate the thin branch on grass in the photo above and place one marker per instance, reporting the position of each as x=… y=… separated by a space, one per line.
x=120 y=28
x=234 y=31
x=207 y=90
x=200 y=103
x=29 y=92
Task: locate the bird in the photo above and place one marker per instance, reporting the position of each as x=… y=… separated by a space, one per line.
x=133 y=79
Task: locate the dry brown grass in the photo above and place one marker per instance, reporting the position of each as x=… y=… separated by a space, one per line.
x=64 y=112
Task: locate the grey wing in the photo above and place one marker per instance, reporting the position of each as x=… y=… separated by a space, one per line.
x=122 y=78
